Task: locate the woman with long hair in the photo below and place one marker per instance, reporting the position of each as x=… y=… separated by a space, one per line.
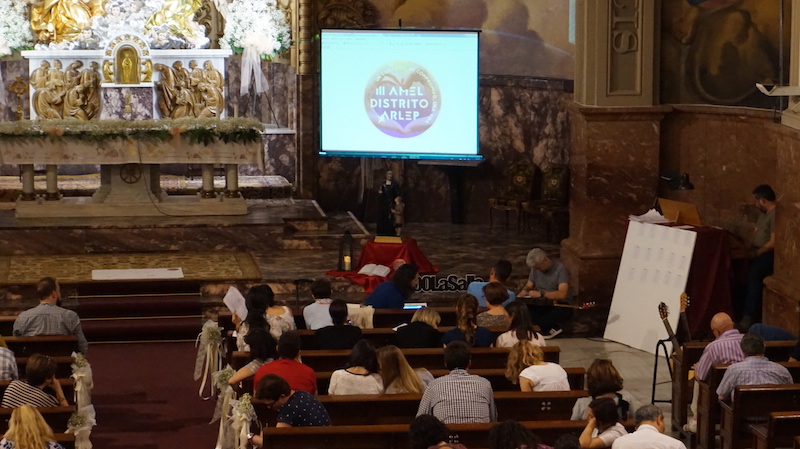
x=422 y=331
x=360 y=376
x=394 y=294
x=467 y=328
x=28 y=430
x=263 y=312
x=527 y=367
x=604 y=381
x=603 y=426
x=495 y=294
x=397 y=374
x=263 y=349
x=521 y=327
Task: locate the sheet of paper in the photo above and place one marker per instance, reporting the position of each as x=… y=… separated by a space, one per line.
x=235 y=302
x=137 y=273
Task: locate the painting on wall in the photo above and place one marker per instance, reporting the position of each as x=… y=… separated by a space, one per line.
x=714 y=51
x=520 y=37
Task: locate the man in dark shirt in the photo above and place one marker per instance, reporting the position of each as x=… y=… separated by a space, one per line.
x=763 y=255
x=295 y=408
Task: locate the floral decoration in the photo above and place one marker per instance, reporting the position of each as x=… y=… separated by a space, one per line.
x=258 y=24
x=15 y=30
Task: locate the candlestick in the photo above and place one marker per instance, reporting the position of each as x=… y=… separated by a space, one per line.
x=347 y=265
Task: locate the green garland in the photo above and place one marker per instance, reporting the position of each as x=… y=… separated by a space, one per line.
x=197 y=130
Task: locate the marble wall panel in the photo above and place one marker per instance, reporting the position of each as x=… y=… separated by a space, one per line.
x=115 y=100
x=277 y=106
x=39 y=242
x=280 y=158
x=235 y=238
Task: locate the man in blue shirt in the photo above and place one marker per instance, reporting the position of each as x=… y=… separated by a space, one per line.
x=500 y=273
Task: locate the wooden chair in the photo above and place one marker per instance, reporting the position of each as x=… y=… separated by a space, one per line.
x=518 y=190
x=552 y=207
x=753 y=403
x=779 y=431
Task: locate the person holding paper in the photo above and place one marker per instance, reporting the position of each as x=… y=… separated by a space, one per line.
x=762 y=255
x=394 y=294
x=548 y=280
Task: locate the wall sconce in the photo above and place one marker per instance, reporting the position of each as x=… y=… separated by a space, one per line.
x=677 y=181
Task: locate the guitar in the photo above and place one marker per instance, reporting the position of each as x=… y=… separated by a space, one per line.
x=663 y=311
x=549 y=302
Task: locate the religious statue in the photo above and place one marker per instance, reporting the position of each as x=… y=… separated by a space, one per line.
x=184 y=104
x=147 y=71
x=87 y=40
x=90 y=80
x=38 y=78
x=397 y=211
x=127 y=62
x=48 y=100
x=213 y=101
x=56 y=73
x=167 y=90
x=63 y=20
x=161 y=40
x=108 y=72
x=212 y=75
x=181 y=74
x=178 y=17
x=74 y=102
x=73 y=75
x=387 y=192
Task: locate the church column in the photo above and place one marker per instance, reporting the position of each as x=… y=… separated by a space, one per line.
x=615 y=137
x=28 y=193
x=208 y=182
x=51 y=193
x=307 y=115
x=231 y=181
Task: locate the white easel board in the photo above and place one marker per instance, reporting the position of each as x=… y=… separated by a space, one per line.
x=654 y=268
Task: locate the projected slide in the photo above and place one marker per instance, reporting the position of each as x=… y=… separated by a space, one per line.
x=405 y=94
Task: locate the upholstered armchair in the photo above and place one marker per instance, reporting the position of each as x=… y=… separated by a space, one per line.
x=517 y=191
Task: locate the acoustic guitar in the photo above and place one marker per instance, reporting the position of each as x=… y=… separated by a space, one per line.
x=663 y=311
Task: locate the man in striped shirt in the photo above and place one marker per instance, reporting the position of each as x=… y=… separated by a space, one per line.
x=755 y=369
x=724 y=349
x=48 y=318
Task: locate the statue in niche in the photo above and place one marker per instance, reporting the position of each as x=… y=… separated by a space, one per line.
x=166 y=90
x=49 y=99
x=87 y=40
x=90 y=80
x=73 y=74
x=147 y=71
x=74 y=101
x=63 y=20
x=127 y=66
x=108 y=72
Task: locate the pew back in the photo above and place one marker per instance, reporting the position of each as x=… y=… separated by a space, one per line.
x=56 y=417
x=753 y=402
x=779 y=431
x=53 y=345
x=63 y=368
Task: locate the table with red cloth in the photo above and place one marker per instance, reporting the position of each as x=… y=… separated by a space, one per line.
x=385 y=254
x=710 y=279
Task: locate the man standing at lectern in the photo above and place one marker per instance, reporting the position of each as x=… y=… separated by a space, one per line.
x=762 y=255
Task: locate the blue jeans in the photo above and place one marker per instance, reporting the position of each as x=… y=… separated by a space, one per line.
x=760 y=267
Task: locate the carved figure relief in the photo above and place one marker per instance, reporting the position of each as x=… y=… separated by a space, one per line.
x=73 y=93
x=63 y=20
x=190 y=93
x=108 y=72
x=147 y=71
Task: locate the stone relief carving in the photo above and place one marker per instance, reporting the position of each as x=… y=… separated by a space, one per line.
x=73 y=93
x=196 y=92
x=347 y=13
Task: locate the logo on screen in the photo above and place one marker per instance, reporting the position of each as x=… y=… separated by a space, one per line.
x=402 y=99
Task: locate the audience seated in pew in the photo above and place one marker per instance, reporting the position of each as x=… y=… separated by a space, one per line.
x=775 y=333
x=340 y=335
x=316 y=315
x=8 y=365
x=360 y=376
x=513 y=435
x=521 y=327
x=526 y=366
x=393 y=294
x=426 y=431
x=755 y=369
x=289 y=366
x=459 y=397
x=603 y=381
x=603 y=427
x=567 y=441
x=41 y=373
x=262 y=349
x=467 y=329
x=295 y=408
x=422 y=332
x=496 y=315
x=499 y=273
x=263 y=312
x=397 y=374
x=28 y=430
x=649 y=432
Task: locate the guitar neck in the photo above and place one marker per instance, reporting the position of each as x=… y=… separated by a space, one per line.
x=676 y=346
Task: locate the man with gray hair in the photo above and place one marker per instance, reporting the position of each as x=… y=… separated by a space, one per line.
x=755 y=369
x=548 y=282
x=649 y=432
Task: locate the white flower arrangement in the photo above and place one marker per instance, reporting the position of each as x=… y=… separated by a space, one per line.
x=257 y=24
x=15 y=30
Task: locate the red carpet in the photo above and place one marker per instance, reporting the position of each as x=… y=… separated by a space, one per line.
x=146 y=398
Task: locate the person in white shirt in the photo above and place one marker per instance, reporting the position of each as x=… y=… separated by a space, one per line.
x=316 y=314
x=649 y=432
x=527 y=367
x=361 y=374
x=603 y=427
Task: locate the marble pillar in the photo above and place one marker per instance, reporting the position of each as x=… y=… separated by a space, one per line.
x=614 y=167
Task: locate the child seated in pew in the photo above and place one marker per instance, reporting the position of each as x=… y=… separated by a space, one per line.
x=28 y=430
x=427 y=432
x=361 y=374
x=262 y=349
x=397 y=374
x=526 y=367
x=41 y=374
x=603 y=426
x=513 y=435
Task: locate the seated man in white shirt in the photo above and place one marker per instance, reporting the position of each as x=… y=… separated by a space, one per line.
x=316 y=314
x=649 y=432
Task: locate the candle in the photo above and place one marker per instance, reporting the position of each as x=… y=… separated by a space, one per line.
x=347 y=263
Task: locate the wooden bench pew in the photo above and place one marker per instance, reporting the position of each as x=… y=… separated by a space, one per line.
x=67 y=440
x=379 y=336
x=53 y=345
x=63 y=368
x=753 y=402
x=395 y=436
x=797 y=443
x=67 y=387
x=374 y=409
x=777 y=351
x=708 y=405
x=7 y=325
x=56 y=417
x=779 y=431
x=429 y=358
